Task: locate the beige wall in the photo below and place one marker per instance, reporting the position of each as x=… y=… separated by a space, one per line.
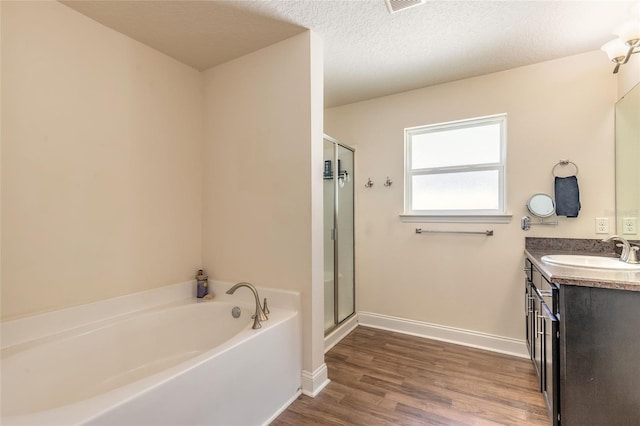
x=263 y=175
x=108 y=167
x=101 y=174
x=556 y=110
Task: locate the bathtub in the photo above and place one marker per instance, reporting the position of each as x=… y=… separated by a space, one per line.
x=187 y=362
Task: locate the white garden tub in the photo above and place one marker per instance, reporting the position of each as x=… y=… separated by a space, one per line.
x=185 y=363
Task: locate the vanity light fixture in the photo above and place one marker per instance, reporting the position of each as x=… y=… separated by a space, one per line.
x=620 y=49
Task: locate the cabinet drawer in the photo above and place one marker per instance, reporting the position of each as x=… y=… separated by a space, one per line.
x=528 y=267
x=546 y=290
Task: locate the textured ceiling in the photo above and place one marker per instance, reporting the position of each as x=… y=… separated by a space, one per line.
x=369 y=52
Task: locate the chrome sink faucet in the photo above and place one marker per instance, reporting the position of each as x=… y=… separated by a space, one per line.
x=629 y=252
x=260 y=314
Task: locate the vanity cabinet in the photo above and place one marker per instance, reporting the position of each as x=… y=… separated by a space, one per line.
x=584 y=342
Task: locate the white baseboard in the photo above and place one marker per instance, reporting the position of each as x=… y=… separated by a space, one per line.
x=282 y=409
x=313 y=383
x=458 y=336
x=340 y=333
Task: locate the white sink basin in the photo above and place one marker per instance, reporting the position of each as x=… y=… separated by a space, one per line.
x=595 y=262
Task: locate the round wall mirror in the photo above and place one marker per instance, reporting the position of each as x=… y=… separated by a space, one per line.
x=541 y=205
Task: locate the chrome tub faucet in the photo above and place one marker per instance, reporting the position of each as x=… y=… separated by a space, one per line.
x=260 y=314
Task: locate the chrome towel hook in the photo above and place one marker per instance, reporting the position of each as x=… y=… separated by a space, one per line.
x=369 y=183
x=388 y=182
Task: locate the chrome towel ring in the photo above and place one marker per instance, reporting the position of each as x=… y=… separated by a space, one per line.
x=564 y=163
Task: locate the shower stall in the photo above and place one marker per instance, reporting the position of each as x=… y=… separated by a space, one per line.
x=339 y=261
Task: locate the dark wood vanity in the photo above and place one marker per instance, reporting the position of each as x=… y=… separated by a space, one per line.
x=583 y=336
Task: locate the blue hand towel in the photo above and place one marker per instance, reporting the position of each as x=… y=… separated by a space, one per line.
x=567 y=196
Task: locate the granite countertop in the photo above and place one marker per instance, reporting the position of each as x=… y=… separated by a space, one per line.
x=586 y=277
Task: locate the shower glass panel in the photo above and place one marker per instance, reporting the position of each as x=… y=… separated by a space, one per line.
x=339 y=280
x=345 y=288
x=329 y=217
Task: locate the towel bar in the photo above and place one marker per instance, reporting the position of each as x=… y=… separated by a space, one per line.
x=488 y=232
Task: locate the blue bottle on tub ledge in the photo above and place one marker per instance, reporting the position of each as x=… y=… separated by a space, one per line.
x=203 y=284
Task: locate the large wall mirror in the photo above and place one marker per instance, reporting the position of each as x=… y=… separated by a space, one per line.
x=628 y=165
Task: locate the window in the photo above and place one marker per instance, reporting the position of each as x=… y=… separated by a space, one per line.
x=456 y=168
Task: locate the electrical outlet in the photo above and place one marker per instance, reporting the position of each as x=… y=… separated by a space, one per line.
x=602 y=225
x=629 y=225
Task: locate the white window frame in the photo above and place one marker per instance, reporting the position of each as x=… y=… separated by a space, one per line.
x=498 y=215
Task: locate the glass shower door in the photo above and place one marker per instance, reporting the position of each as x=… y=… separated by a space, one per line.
x=345 y=226
x=339 y=283
x=329 y=218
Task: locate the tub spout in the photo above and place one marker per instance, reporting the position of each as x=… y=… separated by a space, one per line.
x=260 y=314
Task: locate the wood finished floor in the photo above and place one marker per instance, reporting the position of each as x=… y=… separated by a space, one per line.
x=385 y=378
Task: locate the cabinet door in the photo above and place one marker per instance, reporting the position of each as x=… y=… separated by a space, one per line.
x=538 y=341
x=600 y=356
x=529 y=317
x=551 y=364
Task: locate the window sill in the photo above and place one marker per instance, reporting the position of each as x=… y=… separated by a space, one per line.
x=420 y=218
